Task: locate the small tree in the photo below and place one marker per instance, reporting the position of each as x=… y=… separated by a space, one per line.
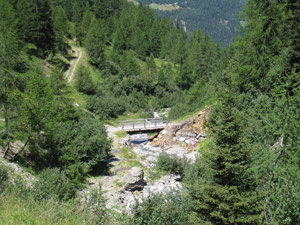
x=84 y=82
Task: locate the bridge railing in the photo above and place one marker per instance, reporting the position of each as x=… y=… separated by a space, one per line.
x=143 y=124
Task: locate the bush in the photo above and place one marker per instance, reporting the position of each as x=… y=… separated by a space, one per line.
x=171 y=164
x=53 y=184
x=84 y=82
x=179 y=110
x=161 y=209
x=3 y=176
x=106 y=106
x=95 y=206
x=82 y=146
x=196 y=171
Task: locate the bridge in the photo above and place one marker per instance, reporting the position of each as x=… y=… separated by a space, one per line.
x=143 y=124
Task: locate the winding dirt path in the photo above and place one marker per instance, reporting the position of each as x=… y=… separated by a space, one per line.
x=73 y=65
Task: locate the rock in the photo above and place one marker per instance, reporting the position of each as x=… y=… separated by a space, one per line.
x=203 y=135
x=156 y=115
x=182 y=139
x=134 y=179
x=163 y=132
x=191 y=134
x=193 y=143
x=188 y=141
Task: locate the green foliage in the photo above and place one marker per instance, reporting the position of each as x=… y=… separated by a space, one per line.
x=84 y=81
x=94 y=43
x=18 y=204
x=170 y=164
x=230 y=196
x=167 y=209
x=220 y=19
x=61 y=28
x=82 y=146
x=3 y=177
x=95 y=207
x=36 y=28
x=106 y=107
x=121 y=134
x=53 y=184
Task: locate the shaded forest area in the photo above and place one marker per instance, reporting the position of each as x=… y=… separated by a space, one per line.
x=249 y=169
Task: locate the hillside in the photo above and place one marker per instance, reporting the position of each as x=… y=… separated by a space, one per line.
x=70 y=70
x=219 y=18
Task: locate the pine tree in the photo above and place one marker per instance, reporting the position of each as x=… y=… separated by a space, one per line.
x=231 y=196
x=8 y=58
x=95 y=43
x=36 y=24
x=61 y=28
x=85 y=23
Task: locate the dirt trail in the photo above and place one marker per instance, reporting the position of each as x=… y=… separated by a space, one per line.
x=73 y=65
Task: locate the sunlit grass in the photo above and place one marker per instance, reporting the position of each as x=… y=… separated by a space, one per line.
x=164 y=7
x=15 y=210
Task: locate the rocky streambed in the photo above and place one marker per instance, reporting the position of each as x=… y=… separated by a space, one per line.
x=128 y=183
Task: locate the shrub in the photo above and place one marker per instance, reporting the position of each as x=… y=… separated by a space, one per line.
x=53 y=184
x=178 y=111
x=83 y=146
x=95 y=206
x=106 y=106
x=84 y=82
x=161 y=209
x=171 y=164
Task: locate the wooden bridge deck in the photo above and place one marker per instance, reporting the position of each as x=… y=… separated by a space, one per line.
x=143 y=124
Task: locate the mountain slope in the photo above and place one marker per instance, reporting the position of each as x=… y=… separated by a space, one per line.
x=218 y=18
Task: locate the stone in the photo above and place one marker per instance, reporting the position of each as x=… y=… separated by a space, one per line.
x=182 y=139
x=156 y=115
x=163 y=132
x=203 y=135
x=188 y=142
x=134 y=179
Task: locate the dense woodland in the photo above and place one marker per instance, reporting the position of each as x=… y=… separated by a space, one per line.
x=219 y=18
x=249 y=169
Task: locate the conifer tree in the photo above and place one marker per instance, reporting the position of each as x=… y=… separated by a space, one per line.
x=8 y=57
x=61 y=28
x=36 y=24
x=95 y=43
x=231 y=196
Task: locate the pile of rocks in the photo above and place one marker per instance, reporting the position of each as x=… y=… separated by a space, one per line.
x=128 y=197
x=189 y=137
x=134 y=180
x=188 y=133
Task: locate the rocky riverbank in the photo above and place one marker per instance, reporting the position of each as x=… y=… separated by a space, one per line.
x=127 y=184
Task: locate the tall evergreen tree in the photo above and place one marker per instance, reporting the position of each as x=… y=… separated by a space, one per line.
x=8 y=57
x=36 y=24
x=95 y=43
x=230 y=197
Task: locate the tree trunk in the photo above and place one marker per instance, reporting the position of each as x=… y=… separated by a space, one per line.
x=6 y=119
x=22 y=149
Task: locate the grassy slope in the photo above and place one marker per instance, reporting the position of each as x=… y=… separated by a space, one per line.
x=77 y=96
x=15 y=210
x=164 y=7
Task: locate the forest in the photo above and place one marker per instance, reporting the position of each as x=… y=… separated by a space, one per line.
x=138 y=63
x=219 y=18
